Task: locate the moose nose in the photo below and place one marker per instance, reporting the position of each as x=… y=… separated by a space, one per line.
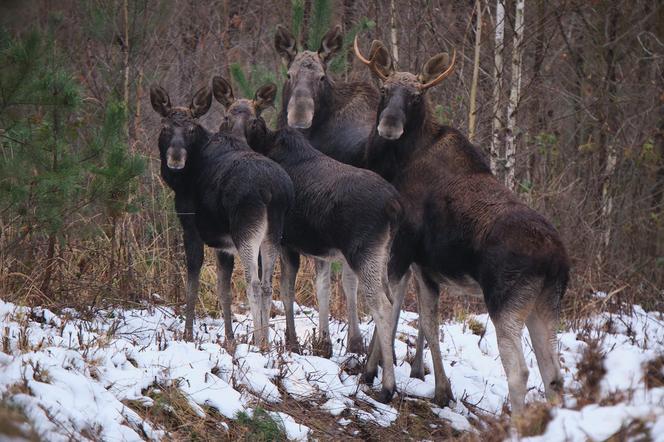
x=300 y=112
x=390 y=127
x=176 y=158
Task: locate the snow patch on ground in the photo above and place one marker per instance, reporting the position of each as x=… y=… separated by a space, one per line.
x=72 y=377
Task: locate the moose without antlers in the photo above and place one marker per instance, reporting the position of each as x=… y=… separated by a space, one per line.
x=336 y=118
x=226 y=196
x=460 y=222
x=340 y=212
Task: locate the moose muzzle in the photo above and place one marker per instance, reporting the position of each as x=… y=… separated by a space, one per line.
x=390 y=126
x=176 y=158
x=300 y=111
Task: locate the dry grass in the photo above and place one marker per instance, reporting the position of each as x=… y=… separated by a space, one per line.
x=14 y=425
x=590 y=373
x=653 y=372
x=172 y=412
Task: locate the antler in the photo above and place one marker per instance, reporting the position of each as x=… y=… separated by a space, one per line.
x=442 y=76
x=371 y=63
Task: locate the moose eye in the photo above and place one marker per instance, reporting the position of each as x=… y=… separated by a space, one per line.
x=288 y=76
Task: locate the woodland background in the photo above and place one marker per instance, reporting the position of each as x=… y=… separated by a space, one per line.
x=85 y=219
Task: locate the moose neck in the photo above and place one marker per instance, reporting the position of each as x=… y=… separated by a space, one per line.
x=261 y=138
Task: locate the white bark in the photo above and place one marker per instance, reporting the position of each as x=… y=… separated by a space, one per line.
x=393 y=32
x=515 y=92
x=498 y=85
x=472 y=112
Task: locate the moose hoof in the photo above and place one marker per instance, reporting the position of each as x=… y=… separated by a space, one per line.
x=385 y=395
x=443 y=398
x=293 y=346
x=417 y=373
x=323 y=348
x=356 y=345
x=229 y=344
x=369 y=376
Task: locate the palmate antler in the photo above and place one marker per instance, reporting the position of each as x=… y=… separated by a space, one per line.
x=442 y=76
x=370 y=63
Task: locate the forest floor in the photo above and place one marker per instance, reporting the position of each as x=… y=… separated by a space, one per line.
x=126 y=374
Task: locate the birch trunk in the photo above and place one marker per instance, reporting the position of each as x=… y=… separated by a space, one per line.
x=498 y=85
x=515 y=92
x=472 y=112
x=393 y=32
x=608 y=132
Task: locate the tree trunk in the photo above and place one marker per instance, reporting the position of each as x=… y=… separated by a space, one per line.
x=393 y=32
x=515 y=92
x=497 y=128
x=472 y=112
x=125 y=50
x=608 y=133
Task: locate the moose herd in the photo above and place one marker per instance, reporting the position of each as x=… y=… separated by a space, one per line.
x=365 y=176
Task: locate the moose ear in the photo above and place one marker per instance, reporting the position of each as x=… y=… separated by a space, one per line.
x=434 y=67
x=265 y=96
x=381 y=58
x=161 y=103
x=331 y=43
x=201 y=102
x=222 y=91
x=284 y=43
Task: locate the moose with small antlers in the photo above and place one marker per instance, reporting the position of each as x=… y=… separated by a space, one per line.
x=460 y=222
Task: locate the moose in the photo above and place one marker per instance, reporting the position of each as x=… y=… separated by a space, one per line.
x=461 y=223
x=339 y=212
x=337 y=119
x=227 y=197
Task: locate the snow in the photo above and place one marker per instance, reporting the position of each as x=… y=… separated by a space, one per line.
x=74 y=378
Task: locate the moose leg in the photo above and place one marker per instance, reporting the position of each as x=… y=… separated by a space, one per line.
x=397 y=302
x=509 y=323
x=381 y=311
x=417 y=367
x=248 y=230
x=269 y=254
x=290 y=263
x=355 y=342
x=427 y=302
x=371 y=268
x=224 y=274
x=541 y=325
x=323 y=271
x=193 y=248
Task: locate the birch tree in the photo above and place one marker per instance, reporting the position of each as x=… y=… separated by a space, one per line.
x=515 y=92
x=472 y=112
x=393 y=32
x=497 y=85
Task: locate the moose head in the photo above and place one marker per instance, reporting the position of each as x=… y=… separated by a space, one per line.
x=307 y=84
x=180 y=129
x=402 y=93
x=241 y=113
